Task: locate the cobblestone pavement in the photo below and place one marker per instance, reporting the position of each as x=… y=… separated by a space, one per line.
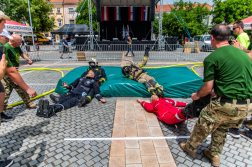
x=34 y=141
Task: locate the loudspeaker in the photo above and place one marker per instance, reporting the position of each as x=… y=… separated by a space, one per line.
x=98 y=11
x=152 y=10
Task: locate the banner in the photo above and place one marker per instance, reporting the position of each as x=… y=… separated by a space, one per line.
x=131 y=12
x=144 y=13
x=117 y=13
x=105 y=13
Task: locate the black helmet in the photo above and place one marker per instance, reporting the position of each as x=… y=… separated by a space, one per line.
x=126 y=70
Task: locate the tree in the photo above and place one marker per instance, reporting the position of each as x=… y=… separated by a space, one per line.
x=230 y=11
x=83 y=16
x=189 y=17
x=18 y=11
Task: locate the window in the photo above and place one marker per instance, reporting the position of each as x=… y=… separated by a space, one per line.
x=58 y=10
x=70 y=10
x=59 y=23
x=71 y=21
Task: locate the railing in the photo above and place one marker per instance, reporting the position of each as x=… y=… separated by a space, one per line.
x=171 y=52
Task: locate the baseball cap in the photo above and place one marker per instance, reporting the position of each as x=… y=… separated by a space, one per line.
x=5 y=33
x=3 y=16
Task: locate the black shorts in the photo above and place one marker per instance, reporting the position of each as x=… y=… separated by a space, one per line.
x=1 y=87
x=65 y=49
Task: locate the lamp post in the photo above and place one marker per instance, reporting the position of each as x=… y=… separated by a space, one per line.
x=31 y=25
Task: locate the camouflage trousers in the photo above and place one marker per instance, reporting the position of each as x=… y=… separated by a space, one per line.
x=215 y=120
x=9 y=85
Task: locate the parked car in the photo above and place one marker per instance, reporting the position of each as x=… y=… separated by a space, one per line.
x=42 y=39
x=204 y=42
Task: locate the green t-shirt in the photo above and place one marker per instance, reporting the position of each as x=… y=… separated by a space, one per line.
x=13 y=54
x=6 y=56
x=243 y=38
x=231 y=69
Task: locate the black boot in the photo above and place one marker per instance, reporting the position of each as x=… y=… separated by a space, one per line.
x=83 y=101
x=43 y=109
x=55 y=108
x=188 y=110
x=55 y=99
x=160 y=92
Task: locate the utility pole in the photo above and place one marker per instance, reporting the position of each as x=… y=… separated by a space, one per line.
x=31 y=25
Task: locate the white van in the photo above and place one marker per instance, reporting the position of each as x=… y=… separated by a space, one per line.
x=204 y=42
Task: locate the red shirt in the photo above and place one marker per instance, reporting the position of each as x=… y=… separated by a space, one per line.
x=166 y=110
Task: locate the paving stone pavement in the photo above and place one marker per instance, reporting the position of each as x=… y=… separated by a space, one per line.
x=34 y=141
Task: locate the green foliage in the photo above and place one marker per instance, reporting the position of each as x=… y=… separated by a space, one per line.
x=18 y=11
x=230 y=11
x=83 y=17
x=193 y=17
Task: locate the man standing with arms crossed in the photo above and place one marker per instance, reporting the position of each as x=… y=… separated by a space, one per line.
x=228 y=71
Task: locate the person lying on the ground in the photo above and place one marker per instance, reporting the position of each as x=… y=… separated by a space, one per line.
x=100 y=75
x=77 y=95
x=135 y=72
x=165 y=109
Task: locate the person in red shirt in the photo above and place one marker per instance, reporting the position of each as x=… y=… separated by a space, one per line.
x=166 y=109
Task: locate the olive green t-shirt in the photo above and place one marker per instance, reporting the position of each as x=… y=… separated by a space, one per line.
x=6 y=56
x=231 y=69
x=243 y=38
x=13 y=54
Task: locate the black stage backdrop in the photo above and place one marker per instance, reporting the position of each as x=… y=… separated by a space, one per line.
x=113 y=29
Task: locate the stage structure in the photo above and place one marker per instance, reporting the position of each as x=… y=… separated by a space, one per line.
x=118 y=19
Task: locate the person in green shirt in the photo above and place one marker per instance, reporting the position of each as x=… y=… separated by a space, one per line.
x=242 y=37
x=228 y=71
x=12 y=78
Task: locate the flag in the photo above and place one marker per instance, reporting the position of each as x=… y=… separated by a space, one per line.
x=131 y=10
x=117 y=15
x=105 y=13
x=144 y=13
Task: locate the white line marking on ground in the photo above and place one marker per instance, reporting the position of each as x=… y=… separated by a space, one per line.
x=132 y=138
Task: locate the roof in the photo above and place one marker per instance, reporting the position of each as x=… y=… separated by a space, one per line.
x=125 y=3
x=56 y=1
x=167 y=8
x=70 y=1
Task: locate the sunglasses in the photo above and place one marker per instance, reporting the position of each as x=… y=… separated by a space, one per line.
x=235 y=28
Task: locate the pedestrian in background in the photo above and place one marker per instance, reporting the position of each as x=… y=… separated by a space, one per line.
x=65 y=47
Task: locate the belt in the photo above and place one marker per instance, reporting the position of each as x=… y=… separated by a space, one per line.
x=228 y=100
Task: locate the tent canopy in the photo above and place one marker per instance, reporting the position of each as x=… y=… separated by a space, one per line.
x=13 y=26
x=81 y=29
x=247 y=23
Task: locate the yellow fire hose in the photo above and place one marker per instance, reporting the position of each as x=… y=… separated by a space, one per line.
x=60 y=70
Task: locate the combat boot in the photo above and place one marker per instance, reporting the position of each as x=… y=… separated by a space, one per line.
x=153 y=91
x=248 y=122
x=190 y=153
x=83 y=101
x=55 y=99
x=215 y=161
x=55 y=108
x=31 y=105
x=6 y=107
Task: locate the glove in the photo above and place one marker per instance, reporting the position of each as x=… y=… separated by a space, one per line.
x=147 y=49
